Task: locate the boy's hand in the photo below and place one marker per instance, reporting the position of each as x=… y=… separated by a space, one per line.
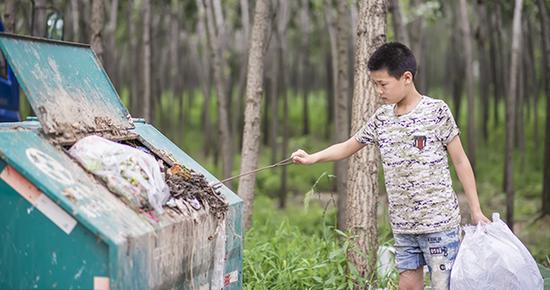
x=301 y=157
x=478 y=217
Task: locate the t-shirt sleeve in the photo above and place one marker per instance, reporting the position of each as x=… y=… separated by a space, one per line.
x=367 y=134
x=447 y=128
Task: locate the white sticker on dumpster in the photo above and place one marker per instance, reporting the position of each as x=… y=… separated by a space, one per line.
x=49 y=166
x=231 y=278
x=38 y=199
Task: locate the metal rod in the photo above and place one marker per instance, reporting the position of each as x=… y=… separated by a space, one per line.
x=280 y=163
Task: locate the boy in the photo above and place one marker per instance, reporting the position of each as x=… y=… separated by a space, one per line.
x=414 y=134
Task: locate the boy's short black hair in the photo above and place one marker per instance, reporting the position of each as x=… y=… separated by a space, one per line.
x=396 y=57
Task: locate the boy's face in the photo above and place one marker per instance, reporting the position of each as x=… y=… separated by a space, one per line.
x=390 y=89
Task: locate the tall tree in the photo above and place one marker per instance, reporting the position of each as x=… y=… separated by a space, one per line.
x=469 y=61
x=254 y=91
x=511 y=114
x=274 y=88
x=39 y=21
x=455 y=62
x=9 y=15
x=216 y=38
x=112 y=63
x=238 y=117
x=245 y=19
x=98 y=15
x=283 y=15
x=75 y=15
x=362 y=183
x=205 y=77
x=491 y=19
x=176 y=79
x=147 y=89
x=399 y=27
x=502 y=85
x=545 y=30
x=134 y=58
x=304 y=70
x=341 y=115
x=332 y=60
x=481 y=36
x=417 y=29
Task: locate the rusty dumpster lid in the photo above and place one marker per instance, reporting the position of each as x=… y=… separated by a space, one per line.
x=66 y=86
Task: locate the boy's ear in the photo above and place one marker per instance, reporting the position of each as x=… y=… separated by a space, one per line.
x=408 y=77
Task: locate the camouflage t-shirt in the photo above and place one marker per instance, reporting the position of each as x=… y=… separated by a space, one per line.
x=416 y=171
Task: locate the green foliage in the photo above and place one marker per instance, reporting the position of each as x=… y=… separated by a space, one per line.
x=298 y=249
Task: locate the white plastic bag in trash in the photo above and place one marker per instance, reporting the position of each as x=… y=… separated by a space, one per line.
x=492 y=257
x=128 y=172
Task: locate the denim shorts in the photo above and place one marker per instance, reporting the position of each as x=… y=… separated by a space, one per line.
x=436 y=250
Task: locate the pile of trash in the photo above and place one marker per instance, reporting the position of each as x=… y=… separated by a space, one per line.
x=190 y=190
x=145 y=183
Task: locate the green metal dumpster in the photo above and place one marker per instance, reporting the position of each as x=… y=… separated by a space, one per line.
x=60 y=227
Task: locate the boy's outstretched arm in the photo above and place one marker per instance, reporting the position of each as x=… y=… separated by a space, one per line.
x=335 y=152
x=466 y=176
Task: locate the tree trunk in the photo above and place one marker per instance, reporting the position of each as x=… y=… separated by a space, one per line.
x=333 y=53
x=468 y=67
x=534 y=89
x=274 y=96
x=502 y=81
x=9 y=15
x=39 y=21
x=238 y=117
x=254 y=91
x=281 y=33
x=112 y=62
x=520 y=101
x=330 y=83
x=147 y=60
x=98 y=15
x=545 y=30
x=494 y=60
x=305 y=29
x=362 y=188
x=455 y=59
x=85 y=20
x=75 y=15
x=484 y=81
x=416 y=36
x=134 y=58
x=205 y=77
x=510 y=115
x=399 y=27
x=245 y=18
x=216 y=47
x=341 y=120
x=176 y=77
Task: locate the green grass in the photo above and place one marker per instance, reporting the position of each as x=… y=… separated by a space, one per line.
x=298 y=249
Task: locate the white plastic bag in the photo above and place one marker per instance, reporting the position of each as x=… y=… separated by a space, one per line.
x=132 y=174
x=492 y=257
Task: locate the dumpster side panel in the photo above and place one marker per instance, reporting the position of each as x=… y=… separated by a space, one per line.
x=178 y=255
x=234 y=248
x=58 y=176
x=234 y=231
x=36 y=253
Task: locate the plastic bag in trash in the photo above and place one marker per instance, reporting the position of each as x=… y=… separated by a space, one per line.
x=131 y=173
x=492 y=257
